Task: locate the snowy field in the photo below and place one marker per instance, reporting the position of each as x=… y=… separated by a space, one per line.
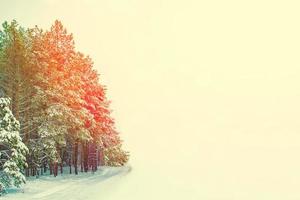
x=205 y=94
x=84 y=186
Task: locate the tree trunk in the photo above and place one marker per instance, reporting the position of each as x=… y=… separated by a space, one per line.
x=61 y=167
x=76 y=156
x=51 y=168
x=86 y=158
x=27 y=171
x=92 y=156
x=61 y=160
x=37 y=172
x=55 y=171
x=100 y=154
x=70 y=165
x=81 y=157
x=45 y=167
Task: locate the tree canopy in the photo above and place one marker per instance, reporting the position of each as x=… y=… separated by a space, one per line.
x=56 y=95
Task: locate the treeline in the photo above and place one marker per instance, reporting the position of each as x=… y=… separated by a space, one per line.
x=56 y=96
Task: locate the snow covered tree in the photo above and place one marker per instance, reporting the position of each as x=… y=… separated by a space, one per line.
x=61 y=116
x=16 y=77
x=115 y=156
x=17 y=72
x=12 y=149
x=57 y=97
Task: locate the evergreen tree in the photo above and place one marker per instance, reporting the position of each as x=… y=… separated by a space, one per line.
x=16 y=78
x=12 y=149
x=59 y=101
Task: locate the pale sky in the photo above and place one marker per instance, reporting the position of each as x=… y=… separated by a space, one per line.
x=205 y=93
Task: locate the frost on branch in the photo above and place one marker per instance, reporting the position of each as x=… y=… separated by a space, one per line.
x=12 y=149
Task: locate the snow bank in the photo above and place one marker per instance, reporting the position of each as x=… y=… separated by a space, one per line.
x=67 y=186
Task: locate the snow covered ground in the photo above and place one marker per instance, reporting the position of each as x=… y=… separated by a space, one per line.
x=205 y=94
x=84 y=186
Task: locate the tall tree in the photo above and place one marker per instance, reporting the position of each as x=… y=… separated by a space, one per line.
x=61 y=117
x=57 y=97
x=16 y=76
x=12 y=149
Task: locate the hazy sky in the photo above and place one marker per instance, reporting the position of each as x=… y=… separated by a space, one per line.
x=205 y=93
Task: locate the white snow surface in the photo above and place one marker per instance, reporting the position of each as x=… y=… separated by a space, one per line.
x=84 y=186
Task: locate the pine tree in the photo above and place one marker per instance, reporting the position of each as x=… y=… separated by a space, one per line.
x=57 y=97
x=12 y=149
x=16 y=78
x=61 y=118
